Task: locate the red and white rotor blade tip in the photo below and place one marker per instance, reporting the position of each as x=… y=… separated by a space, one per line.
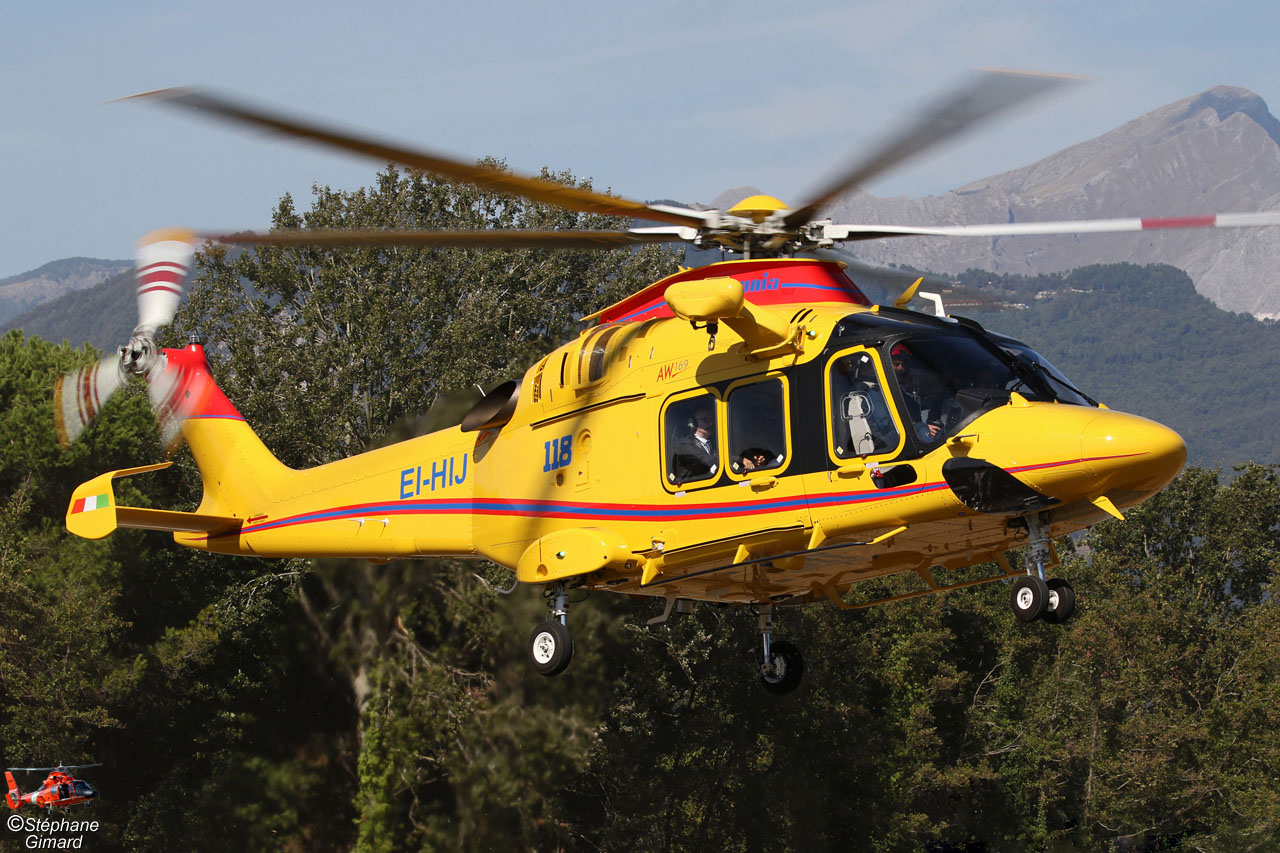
x=1080 y=226
x=79 y=396
x=164 y=261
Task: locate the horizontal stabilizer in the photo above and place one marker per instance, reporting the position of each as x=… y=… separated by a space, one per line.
x=94 y=513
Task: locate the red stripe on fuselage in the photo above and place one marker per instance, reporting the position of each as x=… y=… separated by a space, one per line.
x=580 y=510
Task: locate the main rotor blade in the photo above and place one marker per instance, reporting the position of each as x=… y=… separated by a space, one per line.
x=882 y=285
x=986 y=95
x=571 y=198
x=493 y=239
x=1081 y=226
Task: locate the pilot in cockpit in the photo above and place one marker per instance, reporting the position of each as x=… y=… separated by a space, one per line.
x=904 y=368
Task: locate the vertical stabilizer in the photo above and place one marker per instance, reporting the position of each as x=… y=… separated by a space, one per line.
x=240 y=474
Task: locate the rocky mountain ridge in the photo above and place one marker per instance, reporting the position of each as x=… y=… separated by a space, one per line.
x=25 y=291
x=1216 y=152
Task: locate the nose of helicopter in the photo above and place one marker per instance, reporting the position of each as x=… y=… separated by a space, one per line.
x=1065 y=454
x=1131 y=455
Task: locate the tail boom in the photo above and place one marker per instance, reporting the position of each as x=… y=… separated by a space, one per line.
x=253 y=504
x=361 y=506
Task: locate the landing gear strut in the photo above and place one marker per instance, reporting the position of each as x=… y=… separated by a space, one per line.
x=1034 y=597
x=550 y=644
x=783 y=666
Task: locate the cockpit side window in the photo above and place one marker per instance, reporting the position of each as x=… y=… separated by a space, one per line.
x=946 y=381
x=692 y=439
x=757 y=426
x=862 y=422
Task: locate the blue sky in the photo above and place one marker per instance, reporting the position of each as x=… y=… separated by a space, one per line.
x=652 y=100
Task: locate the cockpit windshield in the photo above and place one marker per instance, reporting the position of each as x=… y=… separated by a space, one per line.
x=948 y=380
x=1063 y=390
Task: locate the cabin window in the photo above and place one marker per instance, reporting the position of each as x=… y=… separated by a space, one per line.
x=692 y=434
x=862 y=422
x=757 y=426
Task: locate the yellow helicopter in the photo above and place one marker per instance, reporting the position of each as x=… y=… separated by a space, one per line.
x=751 y=432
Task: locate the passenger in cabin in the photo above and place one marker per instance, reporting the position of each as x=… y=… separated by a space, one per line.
x=757 y=458
x=694 y=456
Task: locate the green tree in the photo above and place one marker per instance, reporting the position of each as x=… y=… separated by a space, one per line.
x=1143 y=722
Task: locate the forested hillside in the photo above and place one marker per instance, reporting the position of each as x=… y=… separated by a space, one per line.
x=22 y=292
x=101 y=316
x=329 y=705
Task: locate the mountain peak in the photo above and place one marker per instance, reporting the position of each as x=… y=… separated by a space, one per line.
x=1226 y=101
x=1214 y=152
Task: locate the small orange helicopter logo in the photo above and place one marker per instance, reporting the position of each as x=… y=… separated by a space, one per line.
x=60 y=790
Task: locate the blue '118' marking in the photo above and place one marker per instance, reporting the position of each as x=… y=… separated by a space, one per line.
x=557 y=453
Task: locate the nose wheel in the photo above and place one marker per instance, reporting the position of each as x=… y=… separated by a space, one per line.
x=1033 y=597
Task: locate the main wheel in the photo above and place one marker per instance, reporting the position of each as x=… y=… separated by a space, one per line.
x=787 y=670
x=550 y=648
x=1030 y=598
x=1062 y=601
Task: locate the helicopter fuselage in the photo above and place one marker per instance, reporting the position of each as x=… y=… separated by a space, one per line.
x=776 y=450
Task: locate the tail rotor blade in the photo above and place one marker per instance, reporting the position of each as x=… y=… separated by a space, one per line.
x=164 y=387
x=163 y=264
x=79 y=396
x=164 y=260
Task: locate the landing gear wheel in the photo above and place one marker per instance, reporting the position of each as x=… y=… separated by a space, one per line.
x=786 y=671
x=550 y=648
x=1030 y=598
x=1062 y=601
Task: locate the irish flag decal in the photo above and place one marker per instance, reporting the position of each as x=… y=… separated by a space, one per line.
x=93 y=502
